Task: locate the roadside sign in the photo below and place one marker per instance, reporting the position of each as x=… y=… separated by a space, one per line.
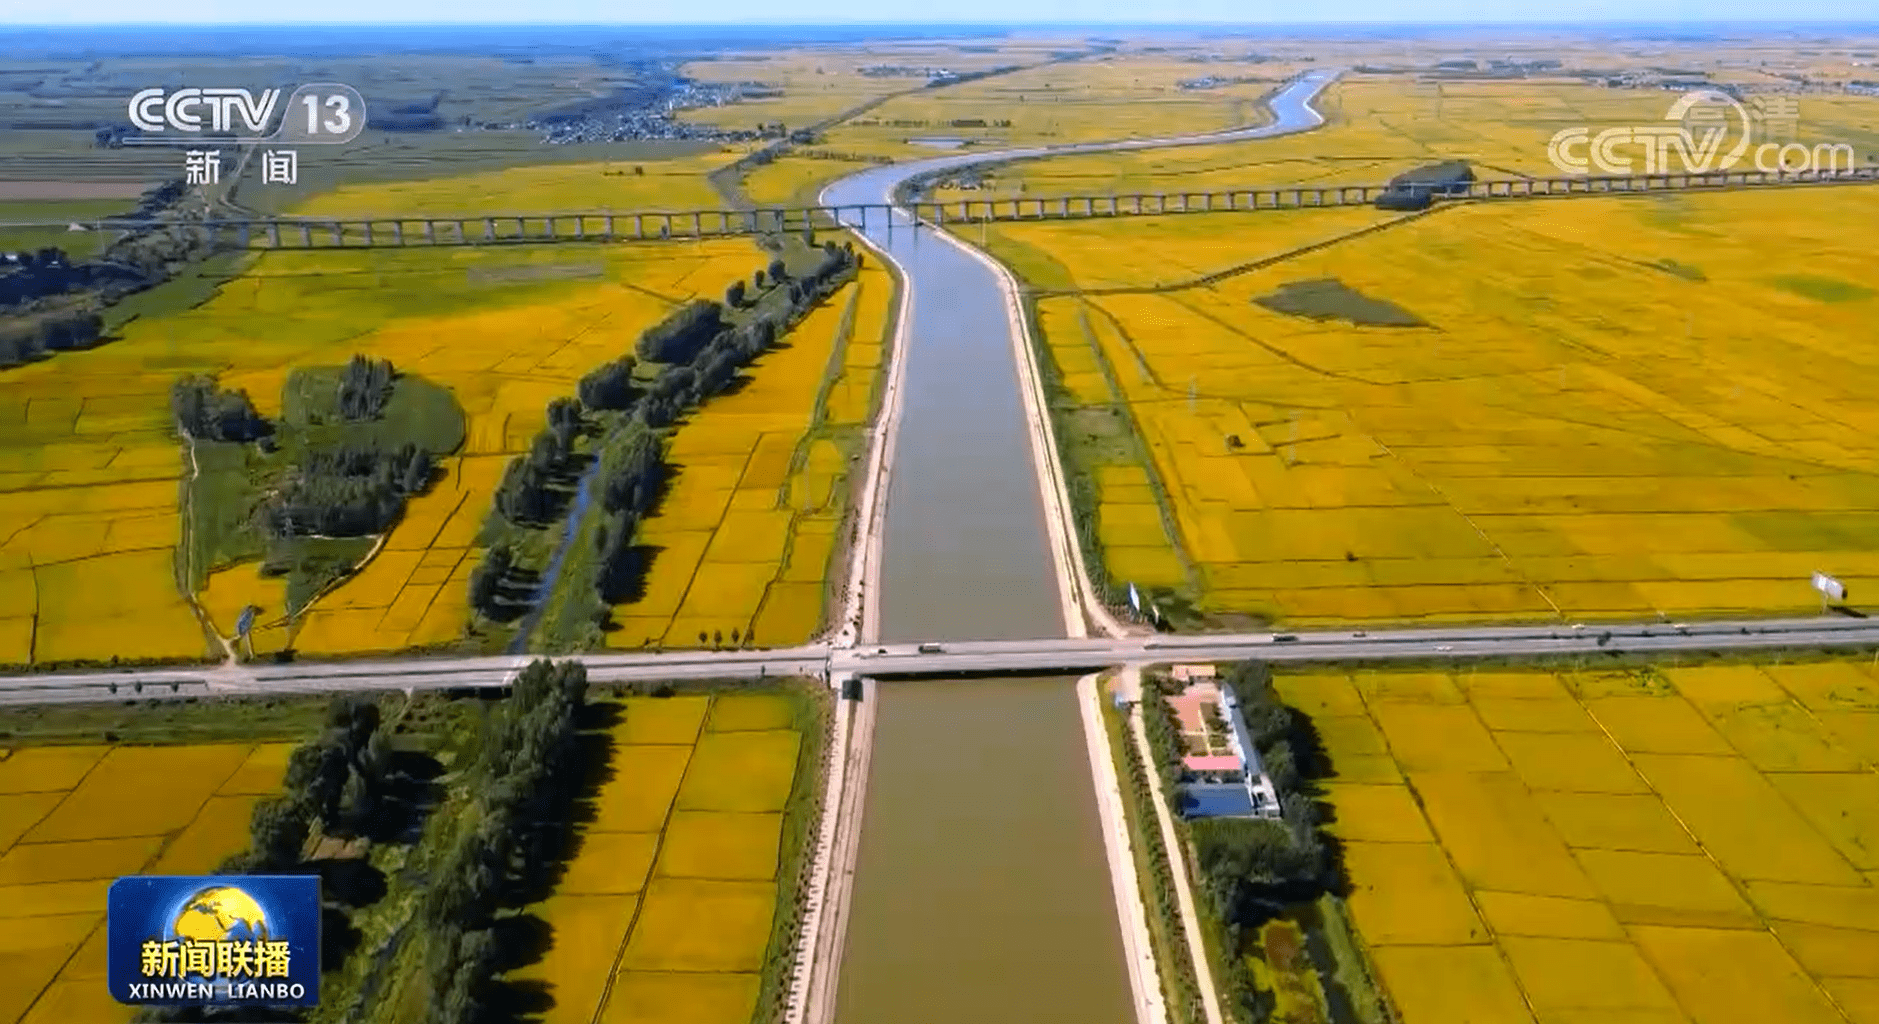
x=1135 y=599
x=1830 y=588
x=245 y=623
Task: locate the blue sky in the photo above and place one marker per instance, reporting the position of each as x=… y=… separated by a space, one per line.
x=873 y=11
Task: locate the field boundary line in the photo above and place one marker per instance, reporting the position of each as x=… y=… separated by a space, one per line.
x=1476 y=527
x=162 y=848
x=1238 y=269
x=652 y=867
x=692 y=580
x=1467 y=888
x=1164 y=499
x=1736 y=885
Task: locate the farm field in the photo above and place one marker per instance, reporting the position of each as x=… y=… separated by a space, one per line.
x=77 y=245
x=72 y=819
x=1377 y=126
x=671 y=184
x=744 y=539
x=666 y=912
x=816 y=83
x=89 y=465
x=1104 y=97
x=797 y=179
x=1381 y=125
x=1671 y=844
x=1610 y=408
x=820 y=82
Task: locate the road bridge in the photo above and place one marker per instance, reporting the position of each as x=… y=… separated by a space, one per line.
x=959 y=658
x=491 y=229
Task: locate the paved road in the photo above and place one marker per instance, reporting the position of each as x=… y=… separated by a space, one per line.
x=959 y=658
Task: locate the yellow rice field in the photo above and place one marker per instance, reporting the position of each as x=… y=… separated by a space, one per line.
x=820 y=82
x=675 y=184
x=744 y=538
x=1684 y=845
x=89 y=468
x=1615 y=407
x=664 y=914
x=1108 y=97
x=1381 y=125
x=72 y=819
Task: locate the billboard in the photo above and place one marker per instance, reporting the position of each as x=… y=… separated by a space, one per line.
x=215 y=940
x=1830 y=588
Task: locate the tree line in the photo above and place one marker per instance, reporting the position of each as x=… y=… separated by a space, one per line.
x=340 y=783
x=698 y=351
x=205 y=411
x=536 y=486
x=352 y=491
x=334 y=782
x=27 y=338
x=527 y=768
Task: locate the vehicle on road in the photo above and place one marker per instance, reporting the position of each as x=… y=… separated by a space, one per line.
x=1283 y=638
x=932 y=648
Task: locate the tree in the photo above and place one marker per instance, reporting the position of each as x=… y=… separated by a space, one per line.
x=778 y=272
x=330 y=784
x=207 y=413
x=679 y=337
x=717 y=638
x=487 y=578
x=756 y=280
x=734 y=295
x=365 y=388
x=360 y=726
x=278 y=831
x=357 y=804
x=609 y=386
x=703 y=638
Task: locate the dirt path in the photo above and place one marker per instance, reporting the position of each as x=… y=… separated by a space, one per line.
x=1177 y=858
x=818 y=966
x=1138 y=949
x=186 y=576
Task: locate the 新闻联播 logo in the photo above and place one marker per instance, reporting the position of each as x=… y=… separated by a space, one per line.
x=229 y=940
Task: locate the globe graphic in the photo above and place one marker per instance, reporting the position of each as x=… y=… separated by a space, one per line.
x=220 y=912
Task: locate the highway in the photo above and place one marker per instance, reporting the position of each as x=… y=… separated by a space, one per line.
x=960 y=658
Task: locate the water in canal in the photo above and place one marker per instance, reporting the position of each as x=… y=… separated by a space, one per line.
x=981 y=893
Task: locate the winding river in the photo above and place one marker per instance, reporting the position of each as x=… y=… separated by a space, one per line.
x=981 y=892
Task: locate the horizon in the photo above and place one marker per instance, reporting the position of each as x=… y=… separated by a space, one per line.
x=1825 y=14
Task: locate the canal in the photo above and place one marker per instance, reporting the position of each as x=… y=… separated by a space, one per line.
x=981 y=891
